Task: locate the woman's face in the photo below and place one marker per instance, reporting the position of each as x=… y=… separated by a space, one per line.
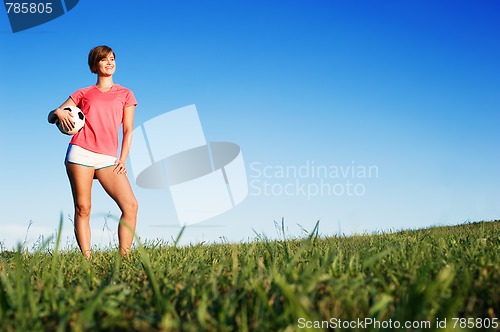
x=107 y=66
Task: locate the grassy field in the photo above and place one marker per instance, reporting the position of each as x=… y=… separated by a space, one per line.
x=442 y=278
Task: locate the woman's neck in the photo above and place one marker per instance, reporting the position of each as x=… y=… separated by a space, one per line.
x=104 y=82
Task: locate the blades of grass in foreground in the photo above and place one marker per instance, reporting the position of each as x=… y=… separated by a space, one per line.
x=58 y=241
x=177 y=239
x=87 y=315
x=150 y=274
x=414 y=275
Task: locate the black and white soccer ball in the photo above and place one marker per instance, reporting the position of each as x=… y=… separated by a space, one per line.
x=78 y=119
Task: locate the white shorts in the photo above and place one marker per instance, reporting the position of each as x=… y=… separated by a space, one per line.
x=80 y=156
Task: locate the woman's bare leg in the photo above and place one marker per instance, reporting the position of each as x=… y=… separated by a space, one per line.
x=80 y=178
x=118 y=188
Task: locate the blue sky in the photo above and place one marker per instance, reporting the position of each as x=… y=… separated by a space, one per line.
x=408 y=87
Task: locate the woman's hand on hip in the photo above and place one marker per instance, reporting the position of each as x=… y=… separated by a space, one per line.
x=120 y=167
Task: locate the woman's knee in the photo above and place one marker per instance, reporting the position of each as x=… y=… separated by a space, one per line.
x=131 y=207
x=83 y=209
x=134 y=206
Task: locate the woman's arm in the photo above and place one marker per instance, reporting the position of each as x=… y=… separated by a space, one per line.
x=128 y=124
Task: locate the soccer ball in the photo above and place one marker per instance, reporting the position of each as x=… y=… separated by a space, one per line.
x=78 y=119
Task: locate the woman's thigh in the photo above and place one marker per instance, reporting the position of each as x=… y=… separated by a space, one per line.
x=117 y=186
x=80 y=178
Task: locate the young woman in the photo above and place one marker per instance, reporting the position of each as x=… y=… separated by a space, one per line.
x=92 y=152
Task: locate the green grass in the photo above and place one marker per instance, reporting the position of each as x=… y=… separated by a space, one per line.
x=266 y=285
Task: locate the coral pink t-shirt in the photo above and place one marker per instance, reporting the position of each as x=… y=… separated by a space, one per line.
x=103 y=117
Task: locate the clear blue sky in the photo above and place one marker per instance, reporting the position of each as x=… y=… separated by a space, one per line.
x=409 y=88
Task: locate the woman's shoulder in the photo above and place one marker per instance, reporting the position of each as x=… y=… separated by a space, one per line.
x=122 y=88
x=125 y=93
x=85 y=89
x=78 y=94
